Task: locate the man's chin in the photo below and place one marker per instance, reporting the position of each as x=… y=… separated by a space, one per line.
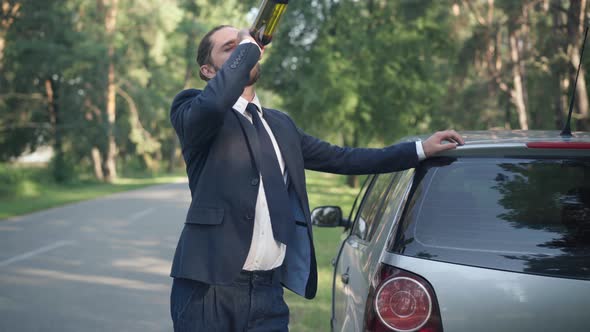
x=254 y=75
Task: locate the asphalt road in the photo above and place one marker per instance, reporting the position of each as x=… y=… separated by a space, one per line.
x=100 y=265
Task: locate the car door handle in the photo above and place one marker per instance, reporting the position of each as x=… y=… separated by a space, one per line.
x=344 y=277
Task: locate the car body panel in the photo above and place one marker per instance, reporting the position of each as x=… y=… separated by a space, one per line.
x=351 y=296
x=360 y=260
x=470 y=298
x=480 y=299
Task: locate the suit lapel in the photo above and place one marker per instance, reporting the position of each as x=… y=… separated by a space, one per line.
x=251 y=137
x=282 y=137
x=285 y=140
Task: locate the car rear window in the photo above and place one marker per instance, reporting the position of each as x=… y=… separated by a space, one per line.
x=523 y=215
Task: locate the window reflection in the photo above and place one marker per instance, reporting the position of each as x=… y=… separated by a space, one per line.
x=516 y=214
x=552 y=196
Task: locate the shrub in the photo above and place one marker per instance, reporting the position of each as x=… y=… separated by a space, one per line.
x=18 y=181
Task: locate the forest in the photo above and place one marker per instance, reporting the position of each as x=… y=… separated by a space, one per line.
x=94 y=79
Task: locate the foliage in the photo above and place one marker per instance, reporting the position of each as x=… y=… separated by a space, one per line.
x=371 y=70
x=28 y=189
x=53 y=87
x=353 y=72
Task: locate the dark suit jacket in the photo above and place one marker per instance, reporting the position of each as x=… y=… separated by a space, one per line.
x=220 y=149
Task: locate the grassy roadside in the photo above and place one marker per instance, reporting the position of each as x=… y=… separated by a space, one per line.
x=28 y=190
x=34 y=192
x=314 y=315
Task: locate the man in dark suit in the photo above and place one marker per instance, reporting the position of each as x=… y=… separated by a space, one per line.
x=248 y=230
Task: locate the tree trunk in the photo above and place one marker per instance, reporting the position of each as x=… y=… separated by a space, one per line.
x=523 y=46
x=517 y=93
x=109 y=161
x=582 y=121
x=189 y=54
x=59 y=167
x=8 y=12
x=172 y=157
x=494 y=64
x=2 y=43
x=94 y=115
x=575 y=28
x=352 y=180
x=97 y=162
x=562 y=98
x=560 y=73
x=492 y=54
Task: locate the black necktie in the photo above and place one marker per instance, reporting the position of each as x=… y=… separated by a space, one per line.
x=281 y=216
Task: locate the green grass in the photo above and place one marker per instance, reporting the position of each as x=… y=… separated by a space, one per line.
x=314 y=315
x=27 y=190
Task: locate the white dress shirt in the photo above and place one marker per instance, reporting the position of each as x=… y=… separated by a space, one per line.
x=266 y=253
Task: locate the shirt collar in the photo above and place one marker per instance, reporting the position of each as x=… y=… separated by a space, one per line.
x=242 y=103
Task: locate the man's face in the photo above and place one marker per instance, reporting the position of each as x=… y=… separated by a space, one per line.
x=224 y=42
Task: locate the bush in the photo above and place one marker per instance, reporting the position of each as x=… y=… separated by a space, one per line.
x=18 y=181
x=62 y=169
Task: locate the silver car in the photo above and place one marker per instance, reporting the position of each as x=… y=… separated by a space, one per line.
x=492 y=236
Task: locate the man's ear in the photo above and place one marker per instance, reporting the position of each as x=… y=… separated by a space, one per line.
x=208 y=71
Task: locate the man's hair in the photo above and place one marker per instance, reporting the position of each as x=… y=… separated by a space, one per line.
x=205 y=48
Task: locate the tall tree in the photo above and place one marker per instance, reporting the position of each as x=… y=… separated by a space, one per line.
x=38 y=64
x=518 y=27
x=575 y=33
x=495 y=43
x=110 y=8
x=9 y=10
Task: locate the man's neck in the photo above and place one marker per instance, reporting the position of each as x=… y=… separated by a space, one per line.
x=249 y=93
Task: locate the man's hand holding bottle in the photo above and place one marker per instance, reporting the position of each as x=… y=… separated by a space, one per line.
x=244 y=35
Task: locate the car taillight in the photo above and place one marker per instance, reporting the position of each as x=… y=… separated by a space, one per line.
x=401 y=301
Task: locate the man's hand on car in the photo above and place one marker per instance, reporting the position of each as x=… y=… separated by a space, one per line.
x=434 y=143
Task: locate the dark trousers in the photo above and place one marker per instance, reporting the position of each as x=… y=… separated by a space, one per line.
x=253 y=302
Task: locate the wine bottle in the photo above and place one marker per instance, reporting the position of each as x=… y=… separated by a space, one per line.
x=266 y=22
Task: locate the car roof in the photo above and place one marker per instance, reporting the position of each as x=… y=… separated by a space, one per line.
x=514 y=142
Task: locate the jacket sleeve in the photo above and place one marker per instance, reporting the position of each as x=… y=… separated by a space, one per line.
x=325 y=157
x=197 y=115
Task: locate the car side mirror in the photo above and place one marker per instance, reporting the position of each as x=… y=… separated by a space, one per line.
x=328 y=216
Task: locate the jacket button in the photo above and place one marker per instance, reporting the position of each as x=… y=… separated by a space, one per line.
x=249 y=216
x=254 y=182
